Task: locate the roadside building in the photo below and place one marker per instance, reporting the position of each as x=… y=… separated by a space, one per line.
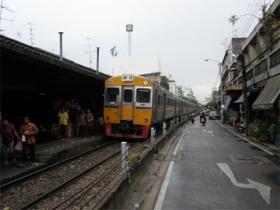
x=251 y=77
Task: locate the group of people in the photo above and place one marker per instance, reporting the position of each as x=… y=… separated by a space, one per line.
x=26 y=134
x=85 y=123
x=10 y=137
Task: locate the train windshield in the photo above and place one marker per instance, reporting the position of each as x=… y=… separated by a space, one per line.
x=143 y=95
x=112 y=94
x=128 y=96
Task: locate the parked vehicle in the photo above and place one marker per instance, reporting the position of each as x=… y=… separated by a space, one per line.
x=213 y=115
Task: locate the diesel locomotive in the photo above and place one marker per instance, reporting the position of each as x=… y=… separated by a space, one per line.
x=134 y=104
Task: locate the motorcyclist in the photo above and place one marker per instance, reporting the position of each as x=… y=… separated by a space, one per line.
x=203 y=116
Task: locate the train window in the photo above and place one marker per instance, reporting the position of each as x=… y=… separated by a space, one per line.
x=143 y=95
x=113 y=94
x=128 y=96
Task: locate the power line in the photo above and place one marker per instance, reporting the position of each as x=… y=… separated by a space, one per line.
x=251 y=19
x=242 y=19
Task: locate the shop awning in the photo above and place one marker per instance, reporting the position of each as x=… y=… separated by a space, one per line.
x=240 y=99
x=227 y=103
x=268 y=95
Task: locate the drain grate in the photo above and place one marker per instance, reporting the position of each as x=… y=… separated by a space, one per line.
x=249 y=159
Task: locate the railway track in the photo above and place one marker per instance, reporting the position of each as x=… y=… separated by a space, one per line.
x=35 y=190
x=75 y=183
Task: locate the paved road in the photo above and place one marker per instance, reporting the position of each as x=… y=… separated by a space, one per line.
x=217 y=170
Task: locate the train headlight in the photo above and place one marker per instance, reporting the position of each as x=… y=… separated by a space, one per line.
x=127 y=77
x=145 y=82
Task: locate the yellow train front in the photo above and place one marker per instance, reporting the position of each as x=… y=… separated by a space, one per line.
x=128 y=106
x=132 y=104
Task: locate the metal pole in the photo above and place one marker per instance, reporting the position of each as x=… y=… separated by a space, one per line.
x=60 y=45
x=152 y=135
x=129 y=43
x=124 y=157
x=97 y=60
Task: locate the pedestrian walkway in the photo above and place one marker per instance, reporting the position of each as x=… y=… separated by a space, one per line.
x=275 y=149
x=49 y=152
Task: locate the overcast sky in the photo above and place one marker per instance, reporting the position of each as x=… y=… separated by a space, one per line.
x=183 y=33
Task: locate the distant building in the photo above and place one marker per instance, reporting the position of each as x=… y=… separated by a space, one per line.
x=154 y=77
x=137 y=65
x=251 y=74
x=177 y=90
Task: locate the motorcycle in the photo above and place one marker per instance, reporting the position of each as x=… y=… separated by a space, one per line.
x=192 y=120
x=203 y=120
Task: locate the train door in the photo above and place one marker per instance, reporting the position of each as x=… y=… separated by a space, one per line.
x=127 y=106
x=155 y=105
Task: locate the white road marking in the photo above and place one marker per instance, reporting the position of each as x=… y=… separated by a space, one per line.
x=264 y=190
x=210 y=132
x=164 y=186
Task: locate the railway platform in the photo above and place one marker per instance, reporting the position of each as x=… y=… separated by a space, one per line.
x=48 y=152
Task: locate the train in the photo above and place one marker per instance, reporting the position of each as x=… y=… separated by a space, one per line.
x=133 y=104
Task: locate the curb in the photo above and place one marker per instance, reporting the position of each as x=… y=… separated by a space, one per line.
x=253 y=141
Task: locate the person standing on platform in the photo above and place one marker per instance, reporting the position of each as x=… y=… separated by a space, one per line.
x=28 y=131
x=88 y=124
x=8 y=133
x=63 y=120
x=82 y=124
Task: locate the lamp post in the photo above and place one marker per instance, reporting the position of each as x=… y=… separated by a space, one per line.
x=221 y=89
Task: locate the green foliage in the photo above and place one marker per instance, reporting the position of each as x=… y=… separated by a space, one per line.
x=272 y=129
x=259 y=129
x=164 y=82
x=271 y=25
x=210 y=105
x=133 y=160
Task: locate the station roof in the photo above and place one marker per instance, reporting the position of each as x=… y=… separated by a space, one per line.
x=27 y=68
x=15 y=50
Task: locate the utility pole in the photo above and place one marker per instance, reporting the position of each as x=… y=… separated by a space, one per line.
x=221 y=92
x=129 y=29
x=1 y=18
x=89 y=50
x=221 y=89
x=31 y=32
x=245 y=98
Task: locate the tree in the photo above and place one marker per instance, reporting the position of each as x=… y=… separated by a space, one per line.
x=271 y=25
x=164 y=82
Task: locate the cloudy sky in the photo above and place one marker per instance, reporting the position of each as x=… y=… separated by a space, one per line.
x=183 y=33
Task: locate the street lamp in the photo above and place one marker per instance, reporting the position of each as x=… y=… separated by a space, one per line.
x=221 y=89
